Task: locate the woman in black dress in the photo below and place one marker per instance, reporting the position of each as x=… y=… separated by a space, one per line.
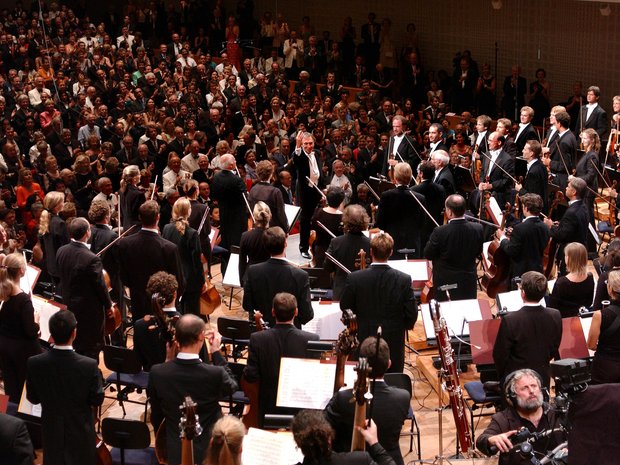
x=19 y=328
x=329 y=216
x=186 y=238
x=131 y=196
x=52 y=231
x=251 y=249
x=586 y=169
x=576 y=289
x=604 y=336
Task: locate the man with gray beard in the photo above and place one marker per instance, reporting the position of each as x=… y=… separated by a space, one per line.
x=526 y=409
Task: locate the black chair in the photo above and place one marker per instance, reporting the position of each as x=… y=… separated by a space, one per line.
x=275 y=421
x=124 y=434
x=481 y=397
x=401 y=380
x=236 y=333
x=126 y=377
x=237 y=400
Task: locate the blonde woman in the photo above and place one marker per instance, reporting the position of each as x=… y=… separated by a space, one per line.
x=251 y=247
x=131 y=196
x=226 y=442
x=186 y=238
x=19 y=328
x=52 y=231
x=576 y=289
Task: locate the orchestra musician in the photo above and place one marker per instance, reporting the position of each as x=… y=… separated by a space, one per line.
x=269 y=346
x=63 y=382
x=551 y=136
x=400 y=215
x=530 y=337
x=526 y=128
x=562 y=151
x=192 y=192
x=382 y=296
x=504 y=128
x=84 y=290
x=391 y=404
x=52 y=231
x=453 y=249
x=346 y=248
x=593 y=116
x=435 y=137
x=264 y=280
x=528 y=239
x=443 y=174
x=308 y=164
x=573 y=227
x=611 y=153
x=226 y=442
x=272 y=196
x=400 y=146
x=483 y=123
x=131 y=196
x=587 y=169
x=523 y=394
x=433 y=192
x=329 y=216
x=252 y=248
x=188 y=375
x=536 y=177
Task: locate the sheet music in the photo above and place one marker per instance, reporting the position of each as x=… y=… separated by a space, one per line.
x=45 y=309
x=26 y=407
x=417 y=269
x=454 y=313
x=308 y=383
x=262 y=447
x=29 y=280
x=326 y=322
x=585 y=326
x=512 y=301
x=231 y=278
x=485 y=254
x=291 y=212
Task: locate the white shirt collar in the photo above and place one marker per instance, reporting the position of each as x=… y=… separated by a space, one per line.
x=187 y=356
x=154 y=230
x=83 y=243
x=59 y=347
x=573 y=201
x=531 y=162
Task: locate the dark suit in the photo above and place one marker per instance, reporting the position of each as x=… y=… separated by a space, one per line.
x=228 y=189
x=85 y=293
x=140 y=256
x=528 y=338
x=195 y=218
x=435 y=196
x=453 y=248
x=345 y=249
x=131 y=200
x=526 y=246
x=264 y=280
x=573 y=227
x=405 y=150
x=382 y=296
x=272 y=196
x=528 y=133
x=54 y=239
x=307 y=196
x=500 y=181
x=67 y=385
x=15 y=445
x=446 y=179
x=101 y=236
x=598 y=121
x=265 y=351
x=536 y=182
x=562 y=153
x=391 y=405
x=402 y=217
x=148 y=343
x=170 y=382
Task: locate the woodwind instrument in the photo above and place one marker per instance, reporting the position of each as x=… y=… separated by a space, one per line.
x=451 y=377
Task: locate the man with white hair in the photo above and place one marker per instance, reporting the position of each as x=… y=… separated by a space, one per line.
x=35 y=94
x=443 y=175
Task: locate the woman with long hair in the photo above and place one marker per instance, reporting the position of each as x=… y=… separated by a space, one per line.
x=19 y=328
x=186 y=238
x=131 y=196
x=52 y=231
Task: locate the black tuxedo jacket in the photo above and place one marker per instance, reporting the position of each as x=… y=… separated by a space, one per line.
x=188 y=246
x=239 y=120
x=573 y=227
x=446 y=179
x=528 y=133
x=15 y=445
x=402 y=217
x=170 y=382
x=536 y=182
x=382 y=296
x=177 y=147
x=140 y=256
x=345 y=249
x=100 y=237
x=195 y=218
x=307 y=196
x=562 y=152
x=389 y=413
x=131 y=200
x=52 y=241
x=67 y=385
x=265 y=351
x=528 y=338
x=264 y=280
x=406 y=151
x=62 y=154
x=453 y=248
x=526 y=246
x=598 y=121
x=502 y=184
x=84 y=292
x=228 y=189
x=435 y=196
x=272 y=196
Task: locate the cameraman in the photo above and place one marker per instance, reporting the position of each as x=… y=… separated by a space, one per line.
x=526 y=410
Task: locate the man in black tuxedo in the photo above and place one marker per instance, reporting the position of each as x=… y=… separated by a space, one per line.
x=285 y=181
x=400 y=146
x=188 y=375
x=264 y=280
x=84 y=291
x=593 y=116
x=435 y=196
x=536 y=177
x=63 y=151
x=68 y=386
x=453 y=248
x=308 y=165
x=573 y=227
x=401 y=215
x=382 y=296
x=481 y=144
x=562 y=152
x=143 y=254
x=179 y=142
x=435 y=137
x=526 y=128
x=530 y=337
x=498 y=169
x=15 y=445
x=443 y=174
x=346 y=248
x=391 y=404
x=268 y=347
x=528 y=240
x=228 y=189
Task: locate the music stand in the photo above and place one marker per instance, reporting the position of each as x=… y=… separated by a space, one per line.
x=464 y=181
x=231 y=277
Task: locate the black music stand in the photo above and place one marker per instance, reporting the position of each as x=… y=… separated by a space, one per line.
x=464 y=181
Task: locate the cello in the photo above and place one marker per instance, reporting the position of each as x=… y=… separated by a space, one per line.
x=360 y=396
x=495 y=278
x=346 y=344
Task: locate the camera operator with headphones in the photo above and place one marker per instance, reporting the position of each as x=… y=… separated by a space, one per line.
x=526 y=409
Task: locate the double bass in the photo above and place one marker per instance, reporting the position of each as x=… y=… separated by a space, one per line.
x=496 y=276
x=190 y=428
x=360 y=395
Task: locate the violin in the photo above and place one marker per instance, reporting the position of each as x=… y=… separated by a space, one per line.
x=496 y=275
x=360 y=396
x=361 y=262
x=346 y=344
x=112 y=319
